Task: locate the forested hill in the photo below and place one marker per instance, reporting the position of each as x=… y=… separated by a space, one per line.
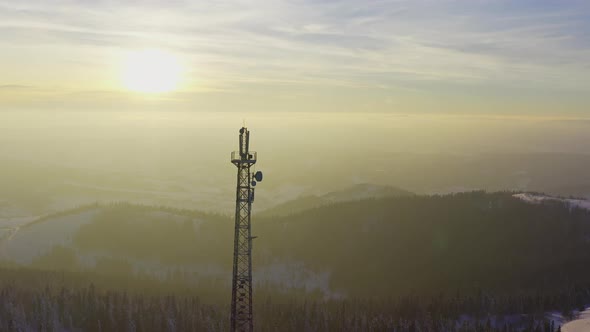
x=385 y=247
x=357 y=192
x=423 y=243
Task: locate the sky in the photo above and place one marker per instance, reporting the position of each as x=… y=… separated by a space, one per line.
x=503 y=57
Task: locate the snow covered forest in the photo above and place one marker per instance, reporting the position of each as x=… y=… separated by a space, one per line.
x=32 y=300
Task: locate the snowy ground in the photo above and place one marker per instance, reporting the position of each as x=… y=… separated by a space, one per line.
x=517 y=321
x=27 y=243
x=539 y=198
x=582 y=324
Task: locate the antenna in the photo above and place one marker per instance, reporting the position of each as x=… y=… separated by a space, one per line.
x=241 y=299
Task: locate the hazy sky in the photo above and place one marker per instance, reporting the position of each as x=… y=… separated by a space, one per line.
x=471 y=56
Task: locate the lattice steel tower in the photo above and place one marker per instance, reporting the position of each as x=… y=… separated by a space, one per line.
x=241 y=297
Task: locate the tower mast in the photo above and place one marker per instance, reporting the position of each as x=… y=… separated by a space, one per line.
x=241 y=304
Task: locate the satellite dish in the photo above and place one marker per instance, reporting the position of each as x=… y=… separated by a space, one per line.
x=258 y=176
x=253 y=183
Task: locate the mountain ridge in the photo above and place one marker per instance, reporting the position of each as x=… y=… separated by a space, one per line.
x=371 y=247
x=352 y=193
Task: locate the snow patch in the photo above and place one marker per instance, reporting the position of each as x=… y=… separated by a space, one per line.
x=539 y=199
x=296 y=276
x=28 y=243
x=582 y=324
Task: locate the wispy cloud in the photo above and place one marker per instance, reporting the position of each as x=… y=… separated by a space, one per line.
x=379 y=44
x=14 y=87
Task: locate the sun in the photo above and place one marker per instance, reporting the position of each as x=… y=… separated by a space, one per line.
x=151 y=71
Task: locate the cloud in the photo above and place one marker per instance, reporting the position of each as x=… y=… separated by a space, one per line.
x=373 y=43
x=14 y=87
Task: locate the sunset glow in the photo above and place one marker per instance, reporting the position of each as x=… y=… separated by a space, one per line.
x=151 y=71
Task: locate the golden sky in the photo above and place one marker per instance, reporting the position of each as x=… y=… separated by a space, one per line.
x=505 y=57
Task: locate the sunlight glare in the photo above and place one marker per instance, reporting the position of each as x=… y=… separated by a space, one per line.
x=151 y=71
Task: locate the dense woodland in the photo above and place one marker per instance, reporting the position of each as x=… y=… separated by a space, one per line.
x=464 y=262
x=429 y=243
x=389 y=246
x=49 y=301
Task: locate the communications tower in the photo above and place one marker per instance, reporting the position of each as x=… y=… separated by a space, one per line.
x=241 y=297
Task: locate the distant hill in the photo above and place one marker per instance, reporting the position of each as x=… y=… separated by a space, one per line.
x=353 y=193
x=467 y=240
x=35 y=186
x=576 y=190
x=385 y=246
